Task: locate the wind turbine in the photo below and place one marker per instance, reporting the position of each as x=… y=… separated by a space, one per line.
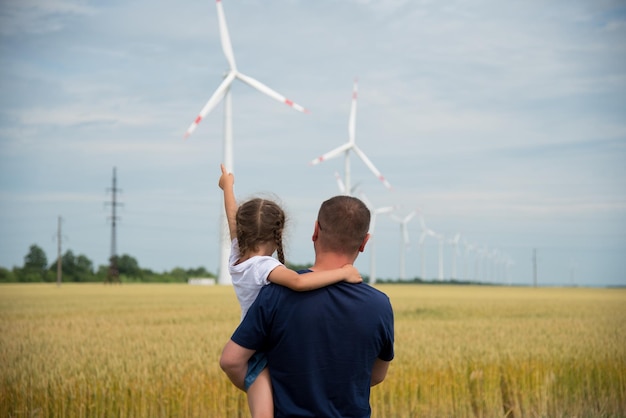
x=351 y=146
x=491 y=264
x=454 y=242
x=496 y=259
x=441 y=239
x=482 y=253
x=223 y=92
x=509 y=263
x=425 y=232
x=375 y=212
x=468 y=249
x=404 y=244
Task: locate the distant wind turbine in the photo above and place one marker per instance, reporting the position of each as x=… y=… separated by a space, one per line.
x=496 y=257
x=468 y=249
x=441 y=239
x=420 y=248
x=372 y=240
x=454 y=242
x=508 y=264
x=223 y=92
x=351 y=146
x=404 y=243
x=425 y=233
x=481 y=259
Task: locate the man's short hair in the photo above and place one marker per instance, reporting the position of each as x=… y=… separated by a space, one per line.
x=343 y=222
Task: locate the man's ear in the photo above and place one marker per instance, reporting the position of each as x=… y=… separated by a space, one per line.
x=362 y=247
x=316 y=230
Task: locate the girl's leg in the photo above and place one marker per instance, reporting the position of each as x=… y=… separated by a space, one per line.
x=260 y=398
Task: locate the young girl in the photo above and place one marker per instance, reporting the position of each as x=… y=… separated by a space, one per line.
x=256 y=230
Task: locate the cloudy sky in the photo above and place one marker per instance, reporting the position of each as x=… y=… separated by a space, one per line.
x=501 y=121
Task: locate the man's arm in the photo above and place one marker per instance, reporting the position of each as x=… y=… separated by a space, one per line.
x=379 y=371
x=234 y=362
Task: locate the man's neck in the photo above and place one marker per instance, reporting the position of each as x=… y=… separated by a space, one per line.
x=331 y=261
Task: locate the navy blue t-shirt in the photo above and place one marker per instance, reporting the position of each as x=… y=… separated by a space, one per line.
x=321 y=346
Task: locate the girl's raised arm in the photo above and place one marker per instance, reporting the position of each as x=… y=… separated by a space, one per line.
x=226 y=183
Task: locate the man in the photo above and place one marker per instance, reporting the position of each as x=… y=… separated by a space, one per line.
x=325 y=347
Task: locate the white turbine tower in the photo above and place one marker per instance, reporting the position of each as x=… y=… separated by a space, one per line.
x=508 y=264
x=420 y=246
x=351 y=146
x=441 y=239
x=491 y=260
x=404 y=243
x=372 y=240
x=223 y=92
x=496 y=259
x=468 y=249
x=480 y=262
x=454 y=242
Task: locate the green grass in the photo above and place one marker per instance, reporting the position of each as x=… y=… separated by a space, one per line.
x=92 y=350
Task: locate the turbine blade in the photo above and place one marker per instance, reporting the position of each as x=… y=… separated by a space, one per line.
x=224 y=36
x=268 y=91
x=340 y=184
x=331 y=154
x=387 y=209
x=370 y=165
x=409 y=217
x=352 y=120
x=213 y=101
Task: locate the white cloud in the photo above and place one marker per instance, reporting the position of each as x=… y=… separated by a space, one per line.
x=39 y=17
x=49 y=197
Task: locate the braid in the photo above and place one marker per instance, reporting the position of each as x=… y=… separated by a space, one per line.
x=278 y=236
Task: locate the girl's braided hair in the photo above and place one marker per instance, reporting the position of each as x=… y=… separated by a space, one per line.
x=260 y=221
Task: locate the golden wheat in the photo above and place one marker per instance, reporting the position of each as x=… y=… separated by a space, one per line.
x=152 y=351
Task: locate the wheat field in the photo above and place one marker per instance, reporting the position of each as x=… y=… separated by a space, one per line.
x=90 y=350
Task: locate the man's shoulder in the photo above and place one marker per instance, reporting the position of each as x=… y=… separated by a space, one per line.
x=362 y=291
x=375 y=292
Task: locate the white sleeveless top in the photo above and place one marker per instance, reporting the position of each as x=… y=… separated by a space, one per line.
x=250 y=276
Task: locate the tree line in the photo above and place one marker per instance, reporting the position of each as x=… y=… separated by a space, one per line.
x=80 y=269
